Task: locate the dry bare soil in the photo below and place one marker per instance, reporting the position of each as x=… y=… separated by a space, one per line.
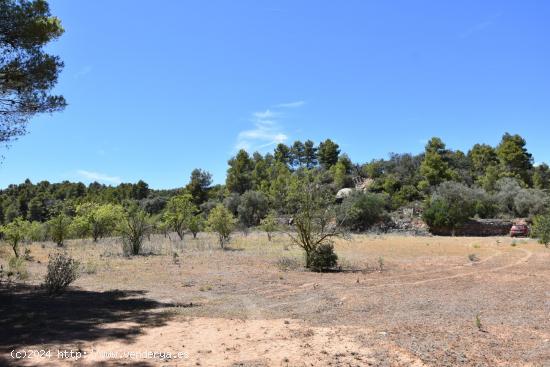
x=398 y=301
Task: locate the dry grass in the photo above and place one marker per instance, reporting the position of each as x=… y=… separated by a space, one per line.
x=421 y=309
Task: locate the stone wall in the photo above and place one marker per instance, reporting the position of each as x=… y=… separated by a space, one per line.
x=478 y=227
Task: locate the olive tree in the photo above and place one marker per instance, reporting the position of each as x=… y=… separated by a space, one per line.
x=195 y=224
x=179 y=210
x=221 y=222
x=133 y=228
x=314 y=221
x=14 y=233
x=269 y=224
x=252 y=208
x=96 y=220
x=58 y=228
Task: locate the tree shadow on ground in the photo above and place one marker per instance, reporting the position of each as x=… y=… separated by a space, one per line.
x=30 y=317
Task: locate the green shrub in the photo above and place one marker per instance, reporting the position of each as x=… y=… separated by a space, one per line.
x=17 y=268
x=179 y=210
x=252 y=208
x=62 y=271
x=450 y=206
x=58 y=228
x=541 y=229
x=133 y=228
x=196 y=224
x=15 y=232
x=361 y=210
x=222 y=222
x=96 y=220
x=269 y=224
x=323 y=258
x=37 y=232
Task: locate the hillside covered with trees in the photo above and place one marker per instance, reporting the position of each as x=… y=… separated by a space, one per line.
x=451 y=185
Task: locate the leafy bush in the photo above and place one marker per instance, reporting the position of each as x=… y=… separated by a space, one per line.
x=269 y=224
x=323 y=258
x=14 y=233
x=179 y=211
x=515 y=201
x=37 y=232
x=252 y=208
x=232 y=203
x=133 y=228
x=315 y=218
x=541 y=229
x=58 y=228
x=96 y=220
x=62 y=271
x=451 y=205
x=361 y=210
x=222 y=222
x=530 y=202
x=196 y=224
x=17 y=267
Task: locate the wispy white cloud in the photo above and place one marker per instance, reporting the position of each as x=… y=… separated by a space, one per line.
x=490 y=21
x=294 y=104
x=266 y=132
x=98 y=176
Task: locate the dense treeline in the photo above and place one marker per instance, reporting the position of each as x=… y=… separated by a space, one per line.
x=486 y=181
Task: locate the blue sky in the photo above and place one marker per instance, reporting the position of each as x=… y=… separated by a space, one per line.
x=157 y=89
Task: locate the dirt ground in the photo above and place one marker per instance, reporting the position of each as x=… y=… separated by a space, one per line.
x=398 y=301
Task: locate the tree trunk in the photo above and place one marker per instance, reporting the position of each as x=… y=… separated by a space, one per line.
x=15 y=250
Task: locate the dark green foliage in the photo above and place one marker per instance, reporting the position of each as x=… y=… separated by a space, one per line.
x=283 y=154
x=310 y=154
x=323 y=258
x=27 y=73
x=361 y=210
x=239 y=174
x=198 y=185
x=297 y=154
x=435 y=167
x=451 y=205
x=514 y=158
x=541 y=177
x=154 y=205
x=482 y=156
x=498 y=182
x=328 y=153
x=253 y=207
x=232 y=202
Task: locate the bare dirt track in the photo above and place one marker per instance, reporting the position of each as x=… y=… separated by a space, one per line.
x=238 y=308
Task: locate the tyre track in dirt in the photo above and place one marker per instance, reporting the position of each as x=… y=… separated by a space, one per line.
x=274 y=295
x=274 y=291
x=524 y=259
x=280 y=294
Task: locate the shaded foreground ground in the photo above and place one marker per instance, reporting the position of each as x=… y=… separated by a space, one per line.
x=238 y=308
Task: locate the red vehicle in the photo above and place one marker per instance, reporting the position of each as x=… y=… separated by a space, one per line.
x=519 y=230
